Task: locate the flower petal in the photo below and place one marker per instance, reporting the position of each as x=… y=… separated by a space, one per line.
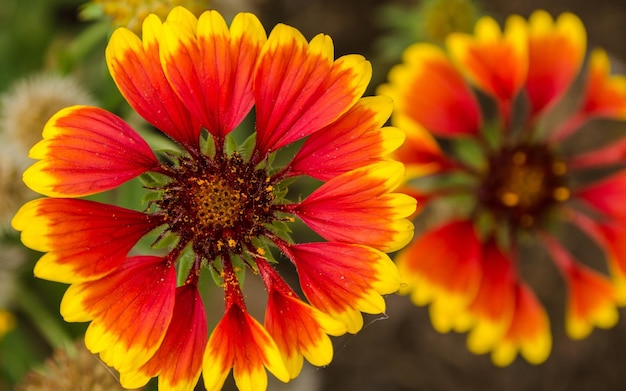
x=428 y=90
x=592 y=299
x=529 y=332
x=344 y=280
x=446 y=276
x=84 y=240
x=356 y=139
x=299 y=89
x=496 y=61
x=86 y=150
x=494 y=303
x=605 y=95
x=298 y=329
x=240 y=342
x=420 y=153
x=357 y=207
x=130 y=310
x=178 y=362
x=136 y=69
x=556 y=50
x=607 y=195
x=211 y=69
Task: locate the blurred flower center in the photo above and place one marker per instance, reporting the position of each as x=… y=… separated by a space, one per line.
x=523 y=183
x=218 y=203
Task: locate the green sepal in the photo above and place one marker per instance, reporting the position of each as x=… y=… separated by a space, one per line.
x=184 y=263
x=230 y=144
x=247 y=147
x=207 y=144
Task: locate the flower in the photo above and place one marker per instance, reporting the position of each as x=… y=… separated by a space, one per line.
x=481 y=139
x=218 y=205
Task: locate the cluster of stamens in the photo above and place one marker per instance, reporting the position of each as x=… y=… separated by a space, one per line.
x=523 y=183
x=218 y=204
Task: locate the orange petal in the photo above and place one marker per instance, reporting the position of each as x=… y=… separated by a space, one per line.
x=556 y=50
x=592 y=299
x=136 y=69
x=344 y=280
x=129 y=309
x=211 y=67
x=357 y=207
x=84 y=240
x=355 y=140
x=178 y=362
x=420 y=153
x=429 y=91
x=448 y=276
x=605 y=94
x=592 y=302
x=496 y=61
x=299 y=88
x=86 y=150
x=529 y=332
x=241 y=343
x=298 y=329
x=494 y=303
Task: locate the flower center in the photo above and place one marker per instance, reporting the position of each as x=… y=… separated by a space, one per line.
x=523 y=183
x=218 y=204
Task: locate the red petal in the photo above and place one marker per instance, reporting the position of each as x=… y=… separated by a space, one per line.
x=86 y=150
x=605 y=94
x=136 y=69
x=343 y=280
x=556 y=50
x=299 y=89
x=84 y=240
x=178 y=362
x=354 y=140
x=608 y=195
x=428 y=91
x=130 y=310
x=357 y=207
x=211 y=69
x=240 y=342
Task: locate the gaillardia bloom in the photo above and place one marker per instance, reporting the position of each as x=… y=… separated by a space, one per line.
x=482 y=140
x=218 y=206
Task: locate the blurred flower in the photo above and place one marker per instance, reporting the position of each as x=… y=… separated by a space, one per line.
x=510 y=178
x=30 y=102
x=131 y=13
x=219 y=204
x=71 y=369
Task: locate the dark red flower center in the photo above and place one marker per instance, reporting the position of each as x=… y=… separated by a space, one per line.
x=523 y=183
x=218 y=204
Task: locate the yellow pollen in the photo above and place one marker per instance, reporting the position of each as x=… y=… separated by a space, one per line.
x=260 y=251
x=510 y=199
x=232 y=243
x=217 y=204
x=561 y=194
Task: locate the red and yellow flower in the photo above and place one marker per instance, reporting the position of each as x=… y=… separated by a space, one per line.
x=219 y=205
x=510 y=175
